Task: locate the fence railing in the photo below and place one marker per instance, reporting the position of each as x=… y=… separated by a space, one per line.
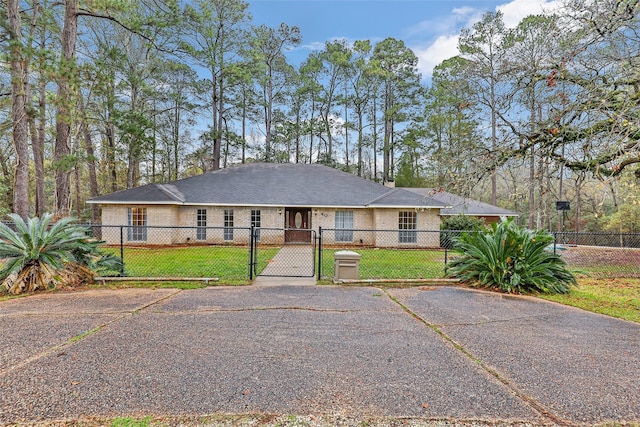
x=179 y=252
x=423 y=254
x=387 y=254
x=614 y=240
x=606 y=255
x=226 y=252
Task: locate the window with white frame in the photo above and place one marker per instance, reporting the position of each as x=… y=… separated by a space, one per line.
x=407 y=221
x=228 y=225
x=201 y=224
x=256 y=222
x=344 y=226
x=137 y=224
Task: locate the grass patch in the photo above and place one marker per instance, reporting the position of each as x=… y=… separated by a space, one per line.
x=5 y=296
x=614 y=297
x=228 y=263
x=126 y=284
x=83 y=335
x=131 y=422
x=392 y=264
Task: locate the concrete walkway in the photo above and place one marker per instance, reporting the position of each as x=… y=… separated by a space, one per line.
x=359 y=355
x=288 y=267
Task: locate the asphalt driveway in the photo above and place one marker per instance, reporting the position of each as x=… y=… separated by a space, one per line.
x=428 y=354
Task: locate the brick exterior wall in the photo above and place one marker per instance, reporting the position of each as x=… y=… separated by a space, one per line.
x=157 y=216
x=362 y=220
x=387 y=219
x=270 y=218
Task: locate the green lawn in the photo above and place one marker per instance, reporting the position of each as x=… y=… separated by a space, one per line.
x=613 y=297
x=228 y=263
x=392 y=264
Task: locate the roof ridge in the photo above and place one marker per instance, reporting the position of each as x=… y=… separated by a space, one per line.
x=382 y=196
x=168 y=192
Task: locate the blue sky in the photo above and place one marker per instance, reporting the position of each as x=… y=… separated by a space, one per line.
x=429 y=27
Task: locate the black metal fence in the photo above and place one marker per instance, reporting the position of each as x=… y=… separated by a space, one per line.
x=387 y=254
x=227 y=253
x=600 y=255
x=203 y=253
x=422 y=254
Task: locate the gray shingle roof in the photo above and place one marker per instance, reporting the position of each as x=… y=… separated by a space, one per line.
x=272 y=184
x=461 y=205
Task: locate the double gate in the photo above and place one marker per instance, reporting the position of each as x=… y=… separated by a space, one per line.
x=282 y=252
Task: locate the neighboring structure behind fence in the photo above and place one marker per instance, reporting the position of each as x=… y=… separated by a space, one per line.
x=227 y=253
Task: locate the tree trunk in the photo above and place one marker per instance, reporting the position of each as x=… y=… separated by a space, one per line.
x=133 y=161
x=217 y=140
x=346 y=131
x=375 y=139
x=360 y=138
x=76 y=175
x=532 y=188
x=226 y=146
x=312 y=124
x=216 y=116
x=63 y=114
x=386 y=148
x=91 y=165
x=244 y=130
x=176 y=140
x=110 y=135
x=37 y=146
x=494 y=144
x=19 y=112
x=268 y=118
x=298 y=135
x=37 y=124
x=154 y=147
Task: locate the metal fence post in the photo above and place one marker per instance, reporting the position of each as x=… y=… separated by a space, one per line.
x=251 y=253
x=319 y=252
x=121 y=251
x=555 y=241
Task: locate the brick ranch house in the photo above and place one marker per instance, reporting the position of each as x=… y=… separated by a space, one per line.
x=213 y=207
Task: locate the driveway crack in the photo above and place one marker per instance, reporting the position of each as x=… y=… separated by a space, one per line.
x=488 y=321
x=60 y=347
x=241 y=310
x=513 y=388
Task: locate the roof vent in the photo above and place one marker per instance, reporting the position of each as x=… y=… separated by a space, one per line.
x=390 y=183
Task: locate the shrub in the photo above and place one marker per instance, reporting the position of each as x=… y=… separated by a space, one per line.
x=452 y=227
x=89 y=257
x=511 y=259
x=40 y=254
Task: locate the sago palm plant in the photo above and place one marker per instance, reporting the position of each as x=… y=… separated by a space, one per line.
x=39 y=254
x=511 y=259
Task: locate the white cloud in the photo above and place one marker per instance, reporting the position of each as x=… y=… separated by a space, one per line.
x=467 y=15
x=459 y=17
x=312 y=46
x=317 y=46
x=516 y=10
x=444 y=47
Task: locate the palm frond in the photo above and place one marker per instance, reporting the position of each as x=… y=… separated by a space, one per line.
x=511 y=259
x=39 y=253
